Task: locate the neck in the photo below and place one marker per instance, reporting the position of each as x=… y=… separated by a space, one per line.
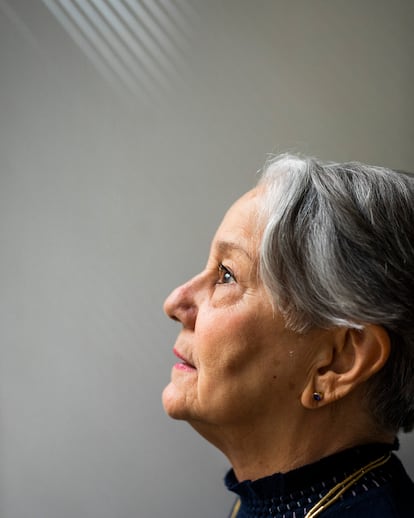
x=256 y=450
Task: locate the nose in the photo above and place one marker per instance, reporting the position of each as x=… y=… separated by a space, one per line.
x=180 y=305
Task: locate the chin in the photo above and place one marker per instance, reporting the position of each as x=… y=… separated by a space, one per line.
x=174 y=403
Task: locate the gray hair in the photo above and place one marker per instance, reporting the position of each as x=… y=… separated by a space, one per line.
x=338 y=250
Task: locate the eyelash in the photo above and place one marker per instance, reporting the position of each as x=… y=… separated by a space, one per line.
x=223 y=271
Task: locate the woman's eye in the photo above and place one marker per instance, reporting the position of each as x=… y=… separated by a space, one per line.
x=225 y=275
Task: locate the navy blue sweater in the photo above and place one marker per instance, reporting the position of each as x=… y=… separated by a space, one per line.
x=384 y=492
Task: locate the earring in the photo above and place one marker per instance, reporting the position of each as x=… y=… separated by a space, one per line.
x=317 y=396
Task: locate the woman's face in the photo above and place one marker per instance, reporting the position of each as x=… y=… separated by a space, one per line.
x=238 y=362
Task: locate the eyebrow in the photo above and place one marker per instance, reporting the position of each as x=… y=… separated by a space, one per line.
x=229 y=246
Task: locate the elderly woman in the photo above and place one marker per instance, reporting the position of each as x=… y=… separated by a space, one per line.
x=296 y=349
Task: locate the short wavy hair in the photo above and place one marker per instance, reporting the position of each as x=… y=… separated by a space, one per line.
x=338 y=250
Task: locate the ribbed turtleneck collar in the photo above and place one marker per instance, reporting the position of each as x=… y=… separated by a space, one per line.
x=303 y=487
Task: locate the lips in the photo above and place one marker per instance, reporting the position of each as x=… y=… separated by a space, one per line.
x=184 y=364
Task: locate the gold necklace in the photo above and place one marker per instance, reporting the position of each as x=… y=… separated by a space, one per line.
x=235 y=510
x=333 y=495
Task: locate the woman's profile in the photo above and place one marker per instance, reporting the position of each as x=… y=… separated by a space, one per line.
x=296 y=342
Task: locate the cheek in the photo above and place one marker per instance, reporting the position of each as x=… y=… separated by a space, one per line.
x=236 y=342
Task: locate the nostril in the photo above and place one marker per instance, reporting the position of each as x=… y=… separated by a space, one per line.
x=180 y=305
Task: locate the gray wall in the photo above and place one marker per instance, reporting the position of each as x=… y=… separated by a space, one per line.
x=118 y=156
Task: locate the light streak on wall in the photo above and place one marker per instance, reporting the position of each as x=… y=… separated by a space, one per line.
x=138 y=46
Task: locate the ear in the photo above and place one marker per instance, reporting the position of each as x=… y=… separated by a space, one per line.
x=351 y=357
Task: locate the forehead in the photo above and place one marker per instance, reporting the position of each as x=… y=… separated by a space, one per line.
x=240 y=227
